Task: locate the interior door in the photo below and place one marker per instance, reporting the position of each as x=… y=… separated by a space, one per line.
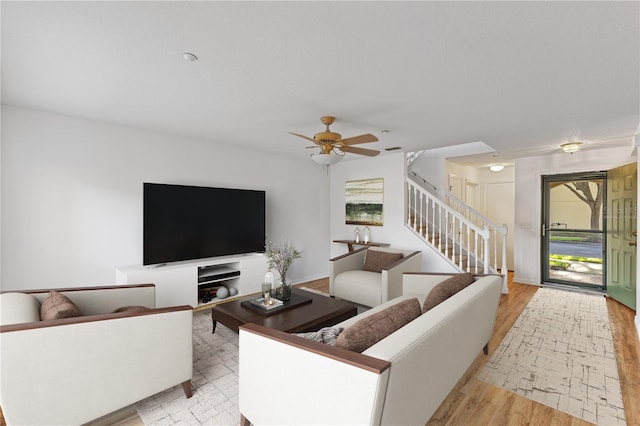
x=621 y=233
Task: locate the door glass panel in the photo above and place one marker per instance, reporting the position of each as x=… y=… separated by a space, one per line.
x=573 y=236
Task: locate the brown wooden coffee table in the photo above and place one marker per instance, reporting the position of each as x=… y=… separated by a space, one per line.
x=321 y=312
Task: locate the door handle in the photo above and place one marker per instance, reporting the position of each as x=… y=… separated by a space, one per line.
x=633 y=244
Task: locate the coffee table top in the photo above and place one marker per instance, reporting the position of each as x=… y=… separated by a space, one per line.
x=323 y=311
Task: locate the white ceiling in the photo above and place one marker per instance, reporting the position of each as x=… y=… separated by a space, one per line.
x=522 y=77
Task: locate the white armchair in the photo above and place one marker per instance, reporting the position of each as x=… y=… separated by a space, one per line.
x=352 y=276
x=75 y=370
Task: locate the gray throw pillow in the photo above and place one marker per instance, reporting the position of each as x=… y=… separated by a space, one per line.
x=326 y=335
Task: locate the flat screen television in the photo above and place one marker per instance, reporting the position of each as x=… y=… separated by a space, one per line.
x=193 y=222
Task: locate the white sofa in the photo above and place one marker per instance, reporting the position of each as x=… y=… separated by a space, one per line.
x=401 y=380
x=348 y=281
x=74 y=370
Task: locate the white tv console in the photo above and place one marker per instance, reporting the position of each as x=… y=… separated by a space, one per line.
x=188 y=282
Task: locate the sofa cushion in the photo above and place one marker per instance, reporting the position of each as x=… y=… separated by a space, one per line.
x=446 y=289
x=131 y=309
x=326 y=335
x=373 y=328
x=18 y=308
x=58 y=306
x=376 y=261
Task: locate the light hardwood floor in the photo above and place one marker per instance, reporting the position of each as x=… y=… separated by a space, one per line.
x=473 y=402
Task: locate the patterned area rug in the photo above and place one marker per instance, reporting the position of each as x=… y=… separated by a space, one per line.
x=560 y=353
x=215 y=383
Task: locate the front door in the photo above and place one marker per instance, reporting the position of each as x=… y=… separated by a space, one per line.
x=621 y=234
x=573 y=229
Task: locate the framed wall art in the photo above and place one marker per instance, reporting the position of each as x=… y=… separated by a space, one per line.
x=364 y=202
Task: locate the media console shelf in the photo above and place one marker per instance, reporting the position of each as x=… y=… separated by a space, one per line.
x=196 y=282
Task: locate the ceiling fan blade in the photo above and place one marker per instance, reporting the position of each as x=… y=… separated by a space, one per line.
x=361 y=151
x=358 y=139
x=304 y=137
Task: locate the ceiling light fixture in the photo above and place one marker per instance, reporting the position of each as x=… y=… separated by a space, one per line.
x=189 y=57
x=326 y=159
x=571 y=147
x=496 y=167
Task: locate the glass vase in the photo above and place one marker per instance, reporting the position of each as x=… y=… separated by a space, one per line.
x=366 y=235
x=284 y=290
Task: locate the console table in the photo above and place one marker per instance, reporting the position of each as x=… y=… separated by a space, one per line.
x=351 y=243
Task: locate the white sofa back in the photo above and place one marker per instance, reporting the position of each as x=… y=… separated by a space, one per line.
x=400 y=380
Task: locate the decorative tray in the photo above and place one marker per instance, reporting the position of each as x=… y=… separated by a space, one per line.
x=260 y=303
x=295 y=301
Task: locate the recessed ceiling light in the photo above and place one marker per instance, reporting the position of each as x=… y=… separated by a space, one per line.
x=496 y=168
x=189 y=57
x=385 y=131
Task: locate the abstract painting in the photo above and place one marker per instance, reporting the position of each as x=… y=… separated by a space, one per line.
x=364 y=202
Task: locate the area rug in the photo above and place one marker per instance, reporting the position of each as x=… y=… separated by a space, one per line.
x=560 y=353
x=215 y=383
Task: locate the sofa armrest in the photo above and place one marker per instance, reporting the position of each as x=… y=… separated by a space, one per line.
x=347 y=262
x=275 y=367
x=79 y=369
x=392 y=276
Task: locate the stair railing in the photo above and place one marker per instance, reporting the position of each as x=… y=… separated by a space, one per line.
x=462 y=235
x=498 y=232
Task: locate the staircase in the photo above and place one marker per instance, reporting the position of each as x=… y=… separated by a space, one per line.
x=463 y=236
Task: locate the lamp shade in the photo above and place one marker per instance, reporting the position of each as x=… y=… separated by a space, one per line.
x=326 y=159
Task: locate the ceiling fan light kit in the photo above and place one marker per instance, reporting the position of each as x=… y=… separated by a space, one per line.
x=326 y=159
x=571 y=147
x=333 y=147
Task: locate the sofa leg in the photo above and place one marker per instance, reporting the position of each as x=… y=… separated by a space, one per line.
x=486 y=349
x=186 y=387
x=244 y=421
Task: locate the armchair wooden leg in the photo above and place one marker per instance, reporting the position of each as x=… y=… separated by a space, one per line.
x=244 y=421
x=486 y=349
x=186 y=387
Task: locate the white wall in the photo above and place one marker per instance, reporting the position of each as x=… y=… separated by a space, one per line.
x=72 y=196
x=528 y=199
x=390 y=167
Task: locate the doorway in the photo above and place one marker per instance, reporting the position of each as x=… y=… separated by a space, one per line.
x=573 y=230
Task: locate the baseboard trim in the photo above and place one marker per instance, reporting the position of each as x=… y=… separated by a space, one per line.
x=521 y=280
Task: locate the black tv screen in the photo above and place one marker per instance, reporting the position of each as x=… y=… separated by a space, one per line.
x=193 y=222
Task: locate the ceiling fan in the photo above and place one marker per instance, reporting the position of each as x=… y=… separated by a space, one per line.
x=333 y=147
